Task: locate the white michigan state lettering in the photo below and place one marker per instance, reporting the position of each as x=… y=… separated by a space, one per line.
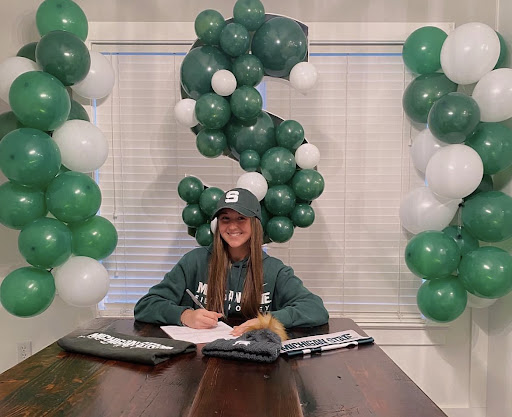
x=231 y=197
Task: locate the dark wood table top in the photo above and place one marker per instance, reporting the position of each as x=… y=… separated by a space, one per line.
x=361 y=381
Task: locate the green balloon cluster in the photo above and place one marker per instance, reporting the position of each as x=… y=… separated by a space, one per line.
x=201 y=205
x=486 y=215
x=232 y=121
x=31 y=160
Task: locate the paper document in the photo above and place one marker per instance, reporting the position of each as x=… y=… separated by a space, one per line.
x=222 y=331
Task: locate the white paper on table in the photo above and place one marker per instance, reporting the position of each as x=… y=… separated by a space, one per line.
x=222 y=331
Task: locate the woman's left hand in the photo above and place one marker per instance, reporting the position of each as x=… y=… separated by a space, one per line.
x=239 y=330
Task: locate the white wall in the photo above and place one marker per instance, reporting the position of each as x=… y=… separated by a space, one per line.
x=449 y=364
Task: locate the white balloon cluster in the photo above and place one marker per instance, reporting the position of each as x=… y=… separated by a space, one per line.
x=468 y=55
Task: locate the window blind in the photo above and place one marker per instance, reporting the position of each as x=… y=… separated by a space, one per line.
x=352 y=256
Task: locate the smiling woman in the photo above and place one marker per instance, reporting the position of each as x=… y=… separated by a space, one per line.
x=232 y=277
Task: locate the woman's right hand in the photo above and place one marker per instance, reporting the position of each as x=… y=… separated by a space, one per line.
x=200 y=319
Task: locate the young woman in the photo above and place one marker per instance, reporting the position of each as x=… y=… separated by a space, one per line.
x=232 y=277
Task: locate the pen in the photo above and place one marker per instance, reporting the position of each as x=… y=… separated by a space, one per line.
x=321 y=349
x=194 y=299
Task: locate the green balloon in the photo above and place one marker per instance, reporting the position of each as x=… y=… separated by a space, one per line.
x=487 y=272
x=422 y=50
x=20 y=205
x=209 y=200
x=303 y=215
x=234 y=39
x=204 y=235
x=493 y=142
x=249 y=13
x=61 y=15
x=280 y=200
x=28 y=51
x=95 y=237
x=464 y=240
x=63 y=55
x=212 y=111
x=190 y=189
x=73 y=197
x=421 y=94
x=27 y=291
x=8 y=123
x=290 y=135
x=246 y=103
x=211 y=142
x=308 y=184
x=502 y=59
x=193 y=216
x=248 y=70
x=453 y=117
x=278 y=165
x=77 y=112
x=39 y=100
x=208 y=26
x=29 y=157
x=198 y=68
x=250 y=160
x=279 y=229
x=432 y=254
x=45 y=243
x=442 y=299
x=485 y=185
x=280 y=44
x=488 y=216
x=258 y=135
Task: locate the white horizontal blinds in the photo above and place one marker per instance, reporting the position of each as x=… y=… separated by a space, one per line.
x=352 y=255
x=150 y=154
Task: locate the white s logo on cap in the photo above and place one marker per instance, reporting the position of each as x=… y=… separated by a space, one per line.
x=231 y=197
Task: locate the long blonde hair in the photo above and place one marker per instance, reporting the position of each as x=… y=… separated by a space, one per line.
x=219 y=268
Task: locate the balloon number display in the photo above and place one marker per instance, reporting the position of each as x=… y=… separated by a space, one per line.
x=48 y=147
x=222 y=106
x=461 y=146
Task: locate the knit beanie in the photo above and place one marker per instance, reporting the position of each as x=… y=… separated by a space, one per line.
x=262 y=345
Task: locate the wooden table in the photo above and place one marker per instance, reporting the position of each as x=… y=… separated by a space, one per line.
x=362 y=382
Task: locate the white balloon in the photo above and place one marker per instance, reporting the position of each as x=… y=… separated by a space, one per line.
x=479 y=302
x=303 y=76
x=224 y=83
x=422 y=210
x=493 y=94
x=307 y=156
x=100 y=80
x=213 y=225
x=454 y=171
x=470 y=52
x=185 y=112
x=83 y=147
x=81 y=281
x=425 y=145
x=10 y=69
x=255 y=183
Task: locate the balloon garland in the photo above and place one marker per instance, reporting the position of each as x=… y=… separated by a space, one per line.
x=47 y=148
x=462 y=145
x=224 y=109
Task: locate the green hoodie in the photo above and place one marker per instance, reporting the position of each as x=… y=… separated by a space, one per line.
x=283 y=295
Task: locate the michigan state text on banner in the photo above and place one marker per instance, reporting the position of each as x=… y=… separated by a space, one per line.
x=344 y=338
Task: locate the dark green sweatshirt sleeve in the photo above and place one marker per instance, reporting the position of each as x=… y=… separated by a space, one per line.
x=294 y=304
x=161 y=305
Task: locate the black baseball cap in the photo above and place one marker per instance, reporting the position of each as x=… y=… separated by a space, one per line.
x=240 y=200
